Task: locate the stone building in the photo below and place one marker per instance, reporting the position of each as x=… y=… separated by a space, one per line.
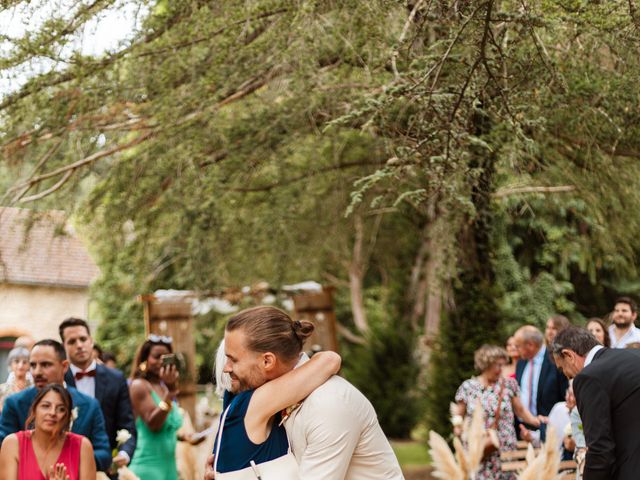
x=45 y=273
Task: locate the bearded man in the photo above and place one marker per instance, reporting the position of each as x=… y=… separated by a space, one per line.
x=334 y=432
x=623 y=330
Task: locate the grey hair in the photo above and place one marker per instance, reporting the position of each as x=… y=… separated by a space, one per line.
x=577 y=339
x=223 y=380
x=529 y=333
x=16 y=354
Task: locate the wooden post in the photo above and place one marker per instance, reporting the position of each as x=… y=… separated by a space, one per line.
x=173 y=318
x=318 y=308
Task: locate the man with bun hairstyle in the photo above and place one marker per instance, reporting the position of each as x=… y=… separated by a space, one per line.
x=334 y=432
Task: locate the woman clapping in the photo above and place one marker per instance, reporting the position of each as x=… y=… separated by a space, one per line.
x=49 y=451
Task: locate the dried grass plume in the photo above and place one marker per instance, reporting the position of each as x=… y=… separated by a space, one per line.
x=444 y=463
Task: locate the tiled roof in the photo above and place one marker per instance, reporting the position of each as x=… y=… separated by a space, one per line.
x=40 y=248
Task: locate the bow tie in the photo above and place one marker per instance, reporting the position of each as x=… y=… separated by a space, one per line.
x=81 y=375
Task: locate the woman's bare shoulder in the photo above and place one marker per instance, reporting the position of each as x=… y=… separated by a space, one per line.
x=138 y=384
x=10 y=442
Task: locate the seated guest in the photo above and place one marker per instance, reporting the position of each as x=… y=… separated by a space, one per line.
x=575 y=441
x=19 y=379
x=49 y=363
x=597 y=328
x=560 y=420
x=49 y=450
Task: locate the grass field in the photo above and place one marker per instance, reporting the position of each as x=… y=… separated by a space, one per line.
x=411 y=453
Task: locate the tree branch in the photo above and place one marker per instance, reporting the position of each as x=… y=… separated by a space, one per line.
x=57 y=186
x=505 y=192
x=284 y=183
x=85 y=161
x=349 y=335
x=403 y=34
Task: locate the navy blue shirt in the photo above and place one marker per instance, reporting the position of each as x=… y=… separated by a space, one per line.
x=236 y=450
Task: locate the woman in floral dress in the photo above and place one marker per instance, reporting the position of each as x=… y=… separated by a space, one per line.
x=491 y=388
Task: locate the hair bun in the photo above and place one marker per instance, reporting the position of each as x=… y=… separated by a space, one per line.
x=303 y=329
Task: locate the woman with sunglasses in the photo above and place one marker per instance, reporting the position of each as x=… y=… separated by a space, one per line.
x=153 y=389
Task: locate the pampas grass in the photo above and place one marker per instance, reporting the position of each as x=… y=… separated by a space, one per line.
x=476 y=435
x=462 y=457
x=546 y=465
x=534 y=469
x=444 y=462
x=531 y=454
x=465 y=463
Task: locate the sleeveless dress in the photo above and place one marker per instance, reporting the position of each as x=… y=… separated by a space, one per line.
x=28 y=468
x=155 y=454
x=236 y=450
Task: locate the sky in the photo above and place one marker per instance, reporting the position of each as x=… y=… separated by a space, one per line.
x=107 y=33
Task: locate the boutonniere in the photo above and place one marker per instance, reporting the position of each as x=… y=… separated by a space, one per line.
x=74 y=417
x=122 y=437
x=286 y=413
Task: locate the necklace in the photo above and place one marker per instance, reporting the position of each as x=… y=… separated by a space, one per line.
x=43 y=454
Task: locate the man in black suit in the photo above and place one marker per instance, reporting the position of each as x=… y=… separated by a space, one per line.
x=106 y=385
x=606 y=383
x=541 y=383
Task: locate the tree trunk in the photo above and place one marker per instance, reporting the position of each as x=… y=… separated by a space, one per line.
x=356 y=277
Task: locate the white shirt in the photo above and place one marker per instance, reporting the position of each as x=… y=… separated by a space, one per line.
x=559 y=419
x=86 y=385
x=632 y=335
x=591 y=354
x=335 y=434
x=526 y=378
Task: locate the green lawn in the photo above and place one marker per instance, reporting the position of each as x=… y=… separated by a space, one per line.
x=411 y=453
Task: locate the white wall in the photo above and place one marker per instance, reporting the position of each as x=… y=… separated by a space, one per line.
x=39 y=310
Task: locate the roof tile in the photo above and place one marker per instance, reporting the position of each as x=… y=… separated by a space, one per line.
x=41 y=248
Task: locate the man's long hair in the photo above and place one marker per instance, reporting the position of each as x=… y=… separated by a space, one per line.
x=269 y=329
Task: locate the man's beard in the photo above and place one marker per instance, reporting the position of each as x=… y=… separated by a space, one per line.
x=253 y=380
x=620 y=323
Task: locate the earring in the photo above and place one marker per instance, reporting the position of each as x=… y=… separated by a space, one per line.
x=143 y=366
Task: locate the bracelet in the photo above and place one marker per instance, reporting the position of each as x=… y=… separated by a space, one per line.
x=164 y=406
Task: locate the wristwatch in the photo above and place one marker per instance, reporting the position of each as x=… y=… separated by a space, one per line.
x=164 y=406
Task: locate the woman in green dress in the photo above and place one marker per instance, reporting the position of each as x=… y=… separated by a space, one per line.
x=153 y=390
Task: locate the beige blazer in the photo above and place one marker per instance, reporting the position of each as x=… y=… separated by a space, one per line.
x=335 y=435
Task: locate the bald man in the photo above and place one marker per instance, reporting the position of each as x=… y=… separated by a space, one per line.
x=542 y=385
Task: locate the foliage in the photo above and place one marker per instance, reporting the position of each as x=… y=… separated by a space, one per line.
x=494 y=143
x=385 y=369
x=463 y=330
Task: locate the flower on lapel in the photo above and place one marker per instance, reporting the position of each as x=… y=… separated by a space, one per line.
x=286 y=413
x=74 y=417
x=122 y=436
